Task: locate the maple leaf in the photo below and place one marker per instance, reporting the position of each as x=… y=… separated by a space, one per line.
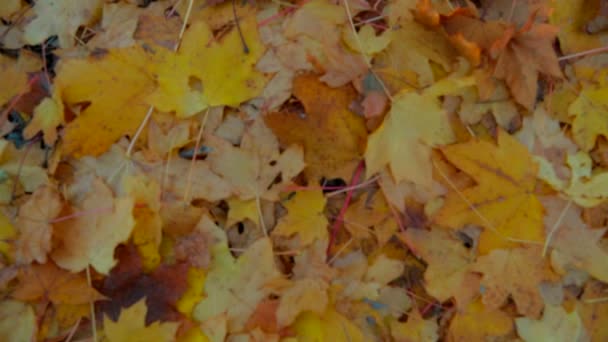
x=502 y=201
x=447 y=274
x=573 y=241
x=571 y=17
x=241 y=210
x=304 y=217
x=556 y=325
x=251 y=169
x=61 y=18
x=370 y=43
x=90 y=239
x=8 y=7
x=47 y=116
x=304 y=295
x=478 y=323
x=233 y=282
x=49 y=282
x=329 y=326
x=15 y=74
x=332 y=136
x=415 y=329
x=118 y=25
x=127 y=283
x=35 y=229
x=17 y=321
x=363 y=215
x=118 y=80
x=590 y=111
x=130 y=326
x=405 y=138
x=517 y=273
x=593 y=313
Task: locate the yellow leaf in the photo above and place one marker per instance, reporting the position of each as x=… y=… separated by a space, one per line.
x=447 y=274
x=304 y=295
x=116 y=86
x=330 y=326
x=591 y=116
x=35 y=230
x=47 y=116
x=9 y=7
x=415 y=329
x=405 y=138
x=227 y=72
x=502 y=201
x=477 y=323
x=370 y=43
x=130 y=327
x=241 y=210
x=7 y=233
x=594 y=314
x=17 y=322
x=194 y=293
x=91 y=239
x=571 y=16
x=304 y=217
x=556 y=325
x=231 y=281
x=333 y=137
x=61 y=18
x=517 y=273
x=147 y=232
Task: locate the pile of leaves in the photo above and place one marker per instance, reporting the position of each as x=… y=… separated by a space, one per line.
x=317 y=170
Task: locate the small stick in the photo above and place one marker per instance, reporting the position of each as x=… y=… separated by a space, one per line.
x=238 y=28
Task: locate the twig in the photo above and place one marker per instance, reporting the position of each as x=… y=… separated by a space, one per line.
x=93 y=319
x=584 y=53
x=199 y=136
x=238 y=28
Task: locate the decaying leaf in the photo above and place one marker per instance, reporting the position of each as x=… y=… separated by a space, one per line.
x=131 y=325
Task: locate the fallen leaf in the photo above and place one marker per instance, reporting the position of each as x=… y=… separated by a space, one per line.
x=556 y=325
x=15 y=73
x=590 y=111
x=502 y=201
x=592 y=312
x=332 y=136
x=130 y=325
x=60 y=18
x=447 y=274
x=233 y=282
x=90 y=239
x=48 y=115
x=405 y=138
x=371 y=44
x=330 y=326
x=415 y=329
x=251 y=169
x=478 y=323
x=49 y=282
x=573 y=241
x=17 y=321
x=517 y=273
x=9 y=7
x=304 y=295
x=304 y=217
x=35 y=227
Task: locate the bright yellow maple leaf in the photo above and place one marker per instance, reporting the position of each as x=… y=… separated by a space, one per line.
x=415 y=124
x=116 y=86
x=571 y=16
x=517 y=273
x=91 y=239
x=503 y=201
x=227 y=72
x=556 y=325
x=590 y=111
x=131 y=327
x=61 y=18
x=477 y=323
x=304 y=217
